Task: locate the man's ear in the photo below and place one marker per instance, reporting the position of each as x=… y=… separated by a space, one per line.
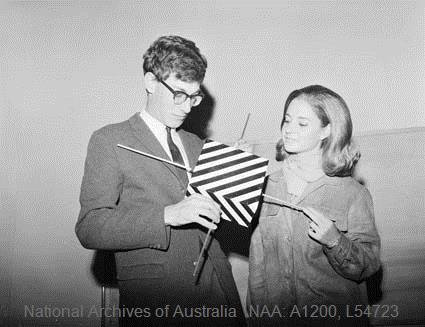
x=326 y=132
x=150 y=82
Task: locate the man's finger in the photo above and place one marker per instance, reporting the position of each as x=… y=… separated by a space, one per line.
x=209 y=214
x=212 y=202
x=206 y=223
x=205 y=201
x=213 y=210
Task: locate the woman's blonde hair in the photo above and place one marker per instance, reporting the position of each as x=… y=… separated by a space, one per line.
x=339 y=155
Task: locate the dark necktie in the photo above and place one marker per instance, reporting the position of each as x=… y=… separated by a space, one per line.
x=176 y=155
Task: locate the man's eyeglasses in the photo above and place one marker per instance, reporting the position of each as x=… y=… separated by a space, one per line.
x=180 y=97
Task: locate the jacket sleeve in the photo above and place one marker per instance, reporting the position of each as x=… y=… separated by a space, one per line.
x=106 y=220
x=356 y=256
x=256 y=281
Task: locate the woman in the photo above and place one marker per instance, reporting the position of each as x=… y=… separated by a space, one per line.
x=316 y=241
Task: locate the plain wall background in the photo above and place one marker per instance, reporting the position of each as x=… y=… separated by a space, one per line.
x=69 y=67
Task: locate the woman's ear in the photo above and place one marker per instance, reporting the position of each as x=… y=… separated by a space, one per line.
x=326 y=131
x=150 y=82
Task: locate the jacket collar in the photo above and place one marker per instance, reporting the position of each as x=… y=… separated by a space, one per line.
x=146 y=137
x=278 y=178
x=151 y=145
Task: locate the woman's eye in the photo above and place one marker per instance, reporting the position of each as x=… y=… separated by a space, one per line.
x=303 y=124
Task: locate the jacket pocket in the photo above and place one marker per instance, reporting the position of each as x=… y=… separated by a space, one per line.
x=142 y=271
x=270 y=209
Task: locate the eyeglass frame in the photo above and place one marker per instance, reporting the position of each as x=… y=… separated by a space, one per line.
x=187 y=96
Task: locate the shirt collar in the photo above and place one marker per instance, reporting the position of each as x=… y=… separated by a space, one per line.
x=154 y=124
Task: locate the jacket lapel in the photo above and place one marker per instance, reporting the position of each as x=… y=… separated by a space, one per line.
x=192 y=148
x=277 y=185
x=151 y=145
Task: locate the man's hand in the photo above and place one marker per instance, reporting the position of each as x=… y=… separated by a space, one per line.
x=194 y=209
x=322 y=229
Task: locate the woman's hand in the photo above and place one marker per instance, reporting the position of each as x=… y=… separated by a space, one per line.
x=322 y=229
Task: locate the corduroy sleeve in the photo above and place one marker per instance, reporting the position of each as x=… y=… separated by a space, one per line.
x=356 y=256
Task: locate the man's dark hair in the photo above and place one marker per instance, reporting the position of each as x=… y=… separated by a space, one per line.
x=175 y=54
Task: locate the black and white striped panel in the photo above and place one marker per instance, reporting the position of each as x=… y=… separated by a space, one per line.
x=231 y=177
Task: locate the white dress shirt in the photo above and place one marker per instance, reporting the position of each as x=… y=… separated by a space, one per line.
x=158 y=129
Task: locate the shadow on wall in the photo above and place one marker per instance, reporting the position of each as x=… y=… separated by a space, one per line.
x=374 y=282
x=374 y=286
x=198 y=120
x=103 y=268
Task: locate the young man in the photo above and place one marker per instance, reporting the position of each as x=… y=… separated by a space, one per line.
x=136 y=205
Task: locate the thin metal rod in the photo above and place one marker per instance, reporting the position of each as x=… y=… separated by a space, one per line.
x=291 y=205
x=102 y=300
x=284 y=203
x=201 y=259
x=154 y=157
x=244 y=128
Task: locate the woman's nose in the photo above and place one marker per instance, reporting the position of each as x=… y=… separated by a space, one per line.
x=289 y=127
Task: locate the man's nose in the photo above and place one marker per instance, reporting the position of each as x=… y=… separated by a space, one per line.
x=186 y=106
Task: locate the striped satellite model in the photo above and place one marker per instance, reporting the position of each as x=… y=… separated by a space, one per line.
x=231 y=177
